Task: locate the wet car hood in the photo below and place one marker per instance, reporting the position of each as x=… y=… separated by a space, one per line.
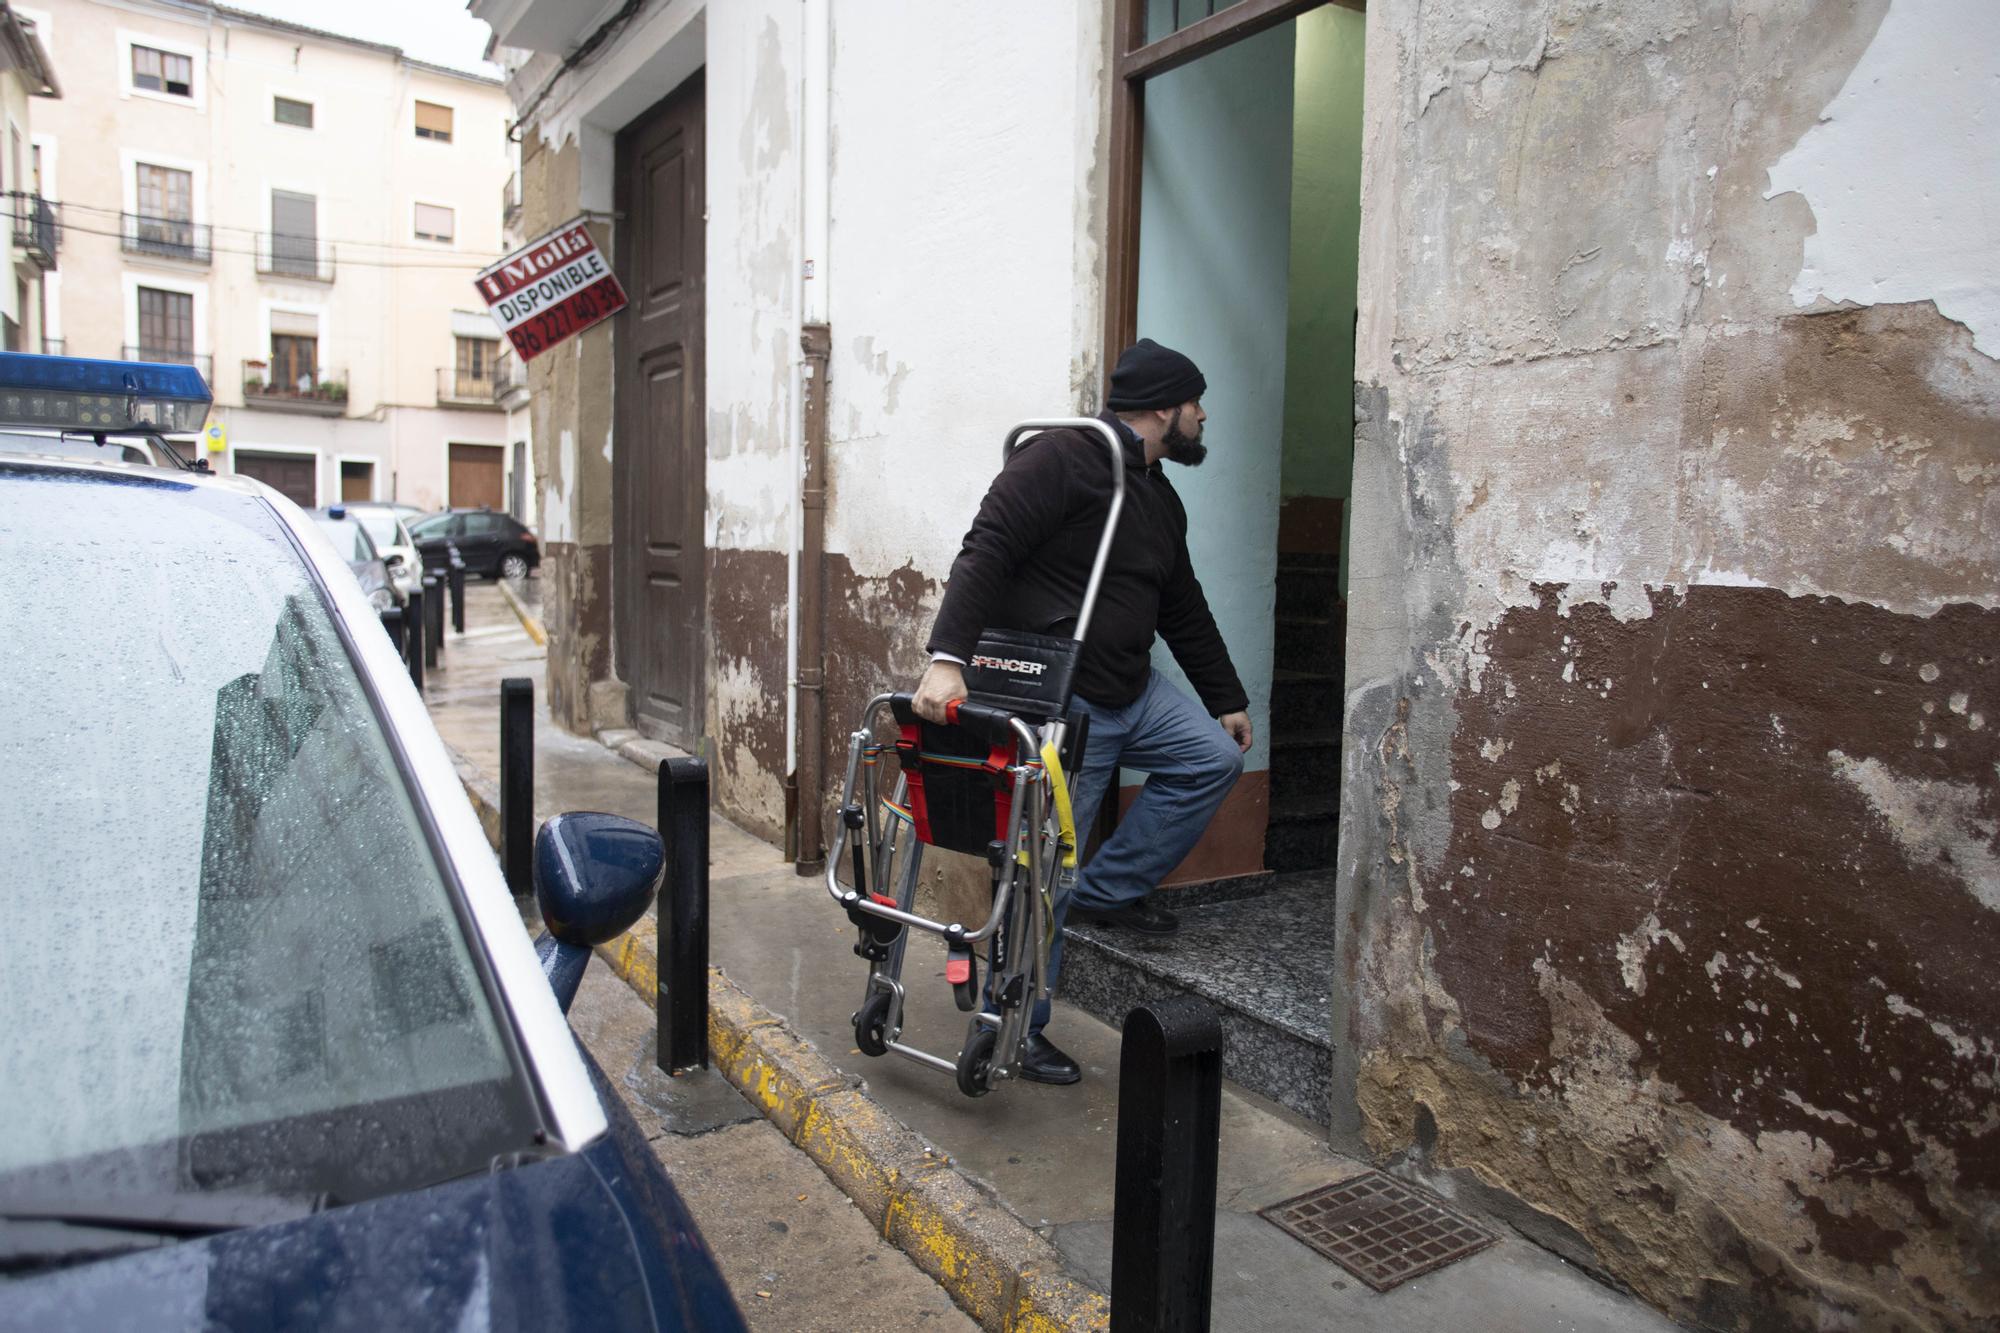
x=595 y=1240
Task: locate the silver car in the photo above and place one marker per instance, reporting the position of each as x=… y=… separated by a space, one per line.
x=353 y=543
x=385 y=524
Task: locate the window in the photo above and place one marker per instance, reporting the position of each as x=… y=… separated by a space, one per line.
x=434 y=122
x=166 y=194
x=158 y=71
x=294 y=363
x=287 y=111
x=165 y=224
x=294 y=233
x=476 y=357
x=166 y=325
x=433 y=223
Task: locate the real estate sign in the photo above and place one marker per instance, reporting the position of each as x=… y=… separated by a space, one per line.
x=550 y=289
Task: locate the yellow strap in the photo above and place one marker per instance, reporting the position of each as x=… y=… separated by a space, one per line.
x=1065 y=822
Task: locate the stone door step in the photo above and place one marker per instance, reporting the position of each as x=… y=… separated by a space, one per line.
x=1260 y=960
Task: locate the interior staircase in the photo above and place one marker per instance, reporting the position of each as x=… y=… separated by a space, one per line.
x=1259 y=948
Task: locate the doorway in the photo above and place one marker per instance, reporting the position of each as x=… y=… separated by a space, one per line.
x=476 y=479
x=357 y=479
x=659 y=449
x=294 y=476
x=1235 y=232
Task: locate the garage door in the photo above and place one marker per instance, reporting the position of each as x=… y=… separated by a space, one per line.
x=291 y=475
x=476 y=480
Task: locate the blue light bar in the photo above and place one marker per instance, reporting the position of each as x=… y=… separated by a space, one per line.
x=82 y=394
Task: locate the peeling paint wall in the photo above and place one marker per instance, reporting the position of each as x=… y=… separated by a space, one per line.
x=1671 y=795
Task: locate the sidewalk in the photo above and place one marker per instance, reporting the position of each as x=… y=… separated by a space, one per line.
x=1044 y=1155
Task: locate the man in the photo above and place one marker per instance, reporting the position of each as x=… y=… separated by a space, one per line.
x=1024 y=564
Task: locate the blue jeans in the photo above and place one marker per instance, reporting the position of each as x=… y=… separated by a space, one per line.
x=1191 y=763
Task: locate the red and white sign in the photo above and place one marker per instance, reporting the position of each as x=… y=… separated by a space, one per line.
x=552 y=289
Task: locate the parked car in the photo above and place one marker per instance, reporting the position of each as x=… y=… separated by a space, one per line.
x=279 y=1053
x=353 y=543
x=389 y=530
x=495 y=545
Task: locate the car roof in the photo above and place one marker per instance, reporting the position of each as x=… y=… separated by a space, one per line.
x=217 y=481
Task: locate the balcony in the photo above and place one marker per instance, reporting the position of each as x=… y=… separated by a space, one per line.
x=318 y=392
x=510 y=203
x=510 y=382
x=457 y=388
x=283 y=256
x=35 y=231
x=53 y=347
x=164 y=238
x=199 y=360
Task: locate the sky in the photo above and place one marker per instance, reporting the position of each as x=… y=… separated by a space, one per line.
x=438 y=32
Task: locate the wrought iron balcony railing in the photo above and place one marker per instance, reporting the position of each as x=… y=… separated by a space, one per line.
x=171 y=356
x=285 y=256
x=36 y=231
x=316 y=389
x=164 y=238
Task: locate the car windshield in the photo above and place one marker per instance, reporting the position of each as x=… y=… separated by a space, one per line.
x=350 y=539
x=245 y=971
x=381 y=527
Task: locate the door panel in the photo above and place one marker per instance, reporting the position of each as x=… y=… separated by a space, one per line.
x=476 y=476
x=291 y=475
x=659 y=451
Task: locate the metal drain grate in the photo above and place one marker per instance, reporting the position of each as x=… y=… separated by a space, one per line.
x=1379 y=1229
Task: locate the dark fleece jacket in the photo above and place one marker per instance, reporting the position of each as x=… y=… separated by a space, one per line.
x=1026 y=559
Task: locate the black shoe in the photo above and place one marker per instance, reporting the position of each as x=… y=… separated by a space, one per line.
x=1141 y=916
x=1041 y=1062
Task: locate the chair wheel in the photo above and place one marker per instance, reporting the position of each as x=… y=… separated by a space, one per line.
x=871 y=1025
x=975 y=1062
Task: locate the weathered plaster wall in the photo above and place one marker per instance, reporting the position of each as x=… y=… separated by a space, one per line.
x=965 y=294
x=1671 y=813
x=570 y=411
x=753 y=89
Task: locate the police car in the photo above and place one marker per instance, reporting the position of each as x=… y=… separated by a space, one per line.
x=277 y=1051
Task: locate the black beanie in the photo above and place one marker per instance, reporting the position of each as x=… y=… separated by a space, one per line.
x=1149 y=375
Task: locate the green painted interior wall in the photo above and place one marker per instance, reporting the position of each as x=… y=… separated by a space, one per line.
x=1325 y=240
x=1214 y=254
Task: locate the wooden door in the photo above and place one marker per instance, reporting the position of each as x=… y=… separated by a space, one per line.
x=291 y=475
x=476 y=481
x=357 y=481
x=658 y=446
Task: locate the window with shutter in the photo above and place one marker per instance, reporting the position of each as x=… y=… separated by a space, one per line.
x=294 y=233
x=433 y=122
x=434 y=223
x=158 y=71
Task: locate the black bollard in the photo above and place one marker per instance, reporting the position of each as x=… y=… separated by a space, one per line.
x=683 y=934
x=456 y=579
x=433 y=622
x=1169 y=1127
x=413 y=636
x=517 y=784
x=392 y=621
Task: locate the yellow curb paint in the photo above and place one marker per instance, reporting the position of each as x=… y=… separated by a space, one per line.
x=876 y=1161
x=527 y=617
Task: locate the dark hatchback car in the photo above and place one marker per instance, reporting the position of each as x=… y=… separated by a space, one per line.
x=280 y=1054
x=494 y=545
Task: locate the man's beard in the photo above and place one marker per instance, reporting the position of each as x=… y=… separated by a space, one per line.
x=1182 y=448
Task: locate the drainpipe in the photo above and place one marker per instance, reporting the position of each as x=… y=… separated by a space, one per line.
x=816 y=341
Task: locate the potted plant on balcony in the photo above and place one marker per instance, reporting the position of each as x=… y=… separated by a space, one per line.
x=253 y=376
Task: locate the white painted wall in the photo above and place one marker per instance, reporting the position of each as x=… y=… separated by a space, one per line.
x=961 y=138
x=1925 y=226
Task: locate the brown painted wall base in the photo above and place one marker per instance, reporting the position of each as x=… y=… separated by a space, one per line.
x=576 y=611
x=1234 y=842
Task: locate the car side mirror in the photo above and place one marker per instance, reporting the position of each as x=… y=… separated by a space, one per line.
x=595 y=874
x=394 y=560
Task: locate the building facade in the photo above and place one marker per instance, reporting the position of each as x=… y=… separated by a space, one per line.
x=27 y=82
x=299 y=215
x=1603 y=508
